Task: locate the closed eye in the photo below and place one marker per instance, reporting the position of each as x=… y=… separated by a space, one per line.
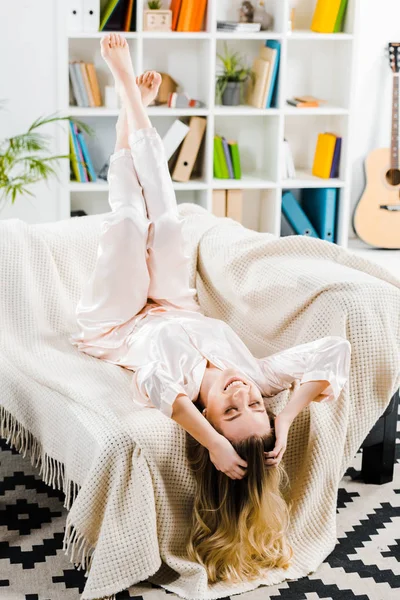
x=232 y=407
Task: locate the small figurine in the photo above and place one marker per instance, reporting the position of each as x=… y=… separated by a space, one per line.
x=261 y=16
x=246 y=12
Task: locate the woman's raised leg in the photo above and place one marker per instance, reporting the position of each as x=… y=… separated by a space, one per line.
x=118 y=286
x=167 y=262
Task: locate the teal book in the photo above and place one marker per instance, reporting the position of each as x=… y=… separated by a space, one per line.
x=86 y=157
x=296 y=216
x=273 y=88
x=320 y=206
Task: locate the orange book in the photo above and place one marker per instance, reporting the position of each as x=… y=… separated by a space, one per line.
x=128 y=16
x=185 y=16
x=94 y=84
x=175 y=6
x=85 y=77
x=198 y=15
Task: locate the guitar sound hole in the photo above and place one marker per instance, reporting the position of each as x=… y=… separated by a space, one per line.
x=393 y=176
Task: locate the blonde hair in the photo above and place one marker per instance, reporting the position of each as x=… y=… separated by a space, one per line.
x=239 y=526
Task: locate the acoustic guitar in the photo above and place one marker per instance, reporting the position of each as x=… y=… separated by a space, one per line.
x=376 y=218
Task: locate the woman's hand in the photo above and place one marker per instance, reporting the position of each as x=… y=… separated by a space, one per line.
x=282 y=426
x=225 y=458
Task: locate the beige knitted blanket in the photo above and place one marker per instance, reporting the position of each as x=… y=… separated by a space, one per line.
x=123 y=469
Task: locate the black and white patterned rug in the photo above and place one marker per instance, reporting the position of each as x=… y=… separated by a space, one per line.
x=365 y=564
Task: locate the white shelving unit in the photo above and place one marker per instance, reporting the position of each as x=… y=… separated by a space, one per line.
x=311 y=63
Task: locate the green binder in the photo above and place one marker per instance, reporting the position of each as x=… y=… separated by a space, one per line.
x=339 y=19
x=220 y=167
x=234 y=150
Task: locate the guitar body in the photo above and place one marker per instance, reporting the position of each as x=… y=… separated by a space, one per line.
x=373 y=224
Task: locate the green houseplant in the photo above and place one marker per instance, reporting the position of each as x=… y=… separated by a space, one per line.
x=154 y=4
x=25 y=159
x=230 y=81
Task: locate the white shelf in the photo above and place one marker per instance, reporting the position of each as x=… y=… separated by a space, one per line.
x=305 y=179
x=247 y=182
x=191 y=59
x=102 y=186
x=78 y=111
x=305 y=34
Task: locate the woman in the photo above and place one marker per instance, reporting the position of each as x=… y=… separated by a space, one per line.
x=138 y=311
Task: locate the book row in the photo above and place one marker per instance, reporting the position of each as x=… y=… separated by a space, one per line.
x=84 y=84
x=226 y=158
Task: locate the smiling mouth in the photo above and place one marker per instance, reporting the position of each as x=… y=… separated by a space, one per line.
x=231 y=380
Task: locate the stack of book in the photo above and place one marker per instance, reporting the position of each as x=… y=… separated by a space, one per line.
x=314 y=217
x=328 y=16
x=118 y=15
x=262 y=93
x=81 y=164
x=238 y=26
x=305 y=101
x=84 y=84
x=188 y=15
x=288 y=170
x=327 y=156
x=228 y=203
x=226 y=158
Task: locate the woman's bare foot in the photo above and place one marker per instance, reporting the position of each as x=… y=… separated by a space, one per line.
x=115 y=51
x=149 y=83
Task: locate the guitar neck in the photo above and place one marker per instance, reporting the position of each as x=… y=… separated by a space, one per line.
x=395 y=123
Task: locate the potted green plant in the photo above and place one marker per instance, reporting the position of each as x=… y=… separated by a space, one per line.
x=156 y=18
x=231 y=80
x=25 y=159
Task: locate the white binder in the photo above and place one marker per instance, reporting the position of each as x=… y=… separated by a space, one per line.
x=75 y=15
x=91 y=15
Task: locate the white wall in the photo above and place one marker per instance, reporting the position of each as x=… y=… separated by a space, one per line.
x=380 y=24
x=28 y=81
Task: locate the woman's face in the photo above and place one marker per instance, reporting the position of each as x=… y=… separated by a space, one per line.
x=236 y=410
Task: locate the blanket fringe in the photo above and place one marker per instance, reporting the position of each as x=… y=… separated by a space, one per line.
x=53 y=474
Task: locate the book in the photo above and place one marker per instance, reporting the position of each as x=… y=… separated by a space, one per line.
x=175 y=6
x=288 y=158
x=323 y=156
x=113 y=16
x=174 y=137
x=128 y=16
x=87 y=85
x=234 y=150
x=74 y=153
x=271 y=52
x=221 y=170
x=296 y=216
x=81 y=83
x=300 y=104
x=336 y=158
x=75 y=85
x=340 y=16
x=185 y=15
x=198 y=15
x=81 y=163
x=189 y=149
x=325 y=16
x=86 y=156
x=219 y=203
x=257 y=93
x=94 y=83
x=320 y=207
x=238 y=26
x=228 y=158
x=234 y=205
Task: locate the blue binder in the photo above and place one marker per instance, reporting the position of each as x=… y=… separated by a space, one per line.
x=320 y=206
x=296 y=216
x=273 y=90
